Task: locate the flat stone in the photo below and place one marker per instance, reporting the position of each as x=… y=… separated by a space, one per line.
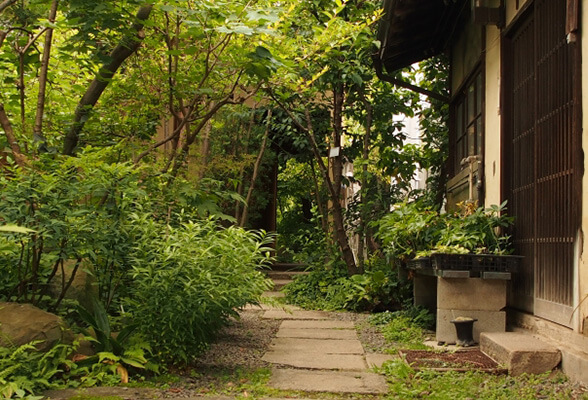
x=574 y=364
x=99 y=392
x=328 y=381
x=300 y=324
x=487 y=321
x=317 y=346
x=520 y=352
x=334 y=334
x=280 y=283
x=376 y=360
x=474 y=294
x=274 y=294
x=268 y=307
x=285 y=275
x=312 y=360
x=295 y=314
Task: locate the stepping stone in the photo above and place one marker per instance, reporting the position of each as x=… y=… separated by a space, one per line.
x=317 y=346
x=295 y=314
x=520 y=352
x=280 y=283
x=286 y=275
x=312 y=360
x=375 y=360
x=297 y=324
x=270 y=307
x=328 y=381
x=274 y=294
x=334 y=334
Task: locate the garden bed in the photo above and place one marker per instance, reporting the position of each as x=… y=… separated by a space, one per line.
x=451 y=361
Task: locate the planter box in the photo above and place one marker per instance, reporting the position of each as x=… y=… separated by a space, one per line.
x=419 y=263
x=476 y=262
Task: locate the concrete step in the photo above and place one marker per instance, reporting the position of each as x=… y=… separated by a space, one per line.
x=328 y=381
x=280 y=283
x=289 y=267
x=284 y=274
x=520 y=352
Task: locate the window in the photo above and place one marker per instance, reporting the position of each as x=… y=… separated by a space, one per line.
x=468 y=129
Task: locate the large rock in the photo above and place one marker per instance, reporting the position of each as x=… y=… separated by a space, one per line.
x=83 y=286
x=23 y=323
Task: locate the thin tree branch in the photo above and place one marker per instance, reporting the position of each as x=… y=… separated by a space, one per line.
x=126 y=47
x=12 y=142
x=256 y=171
x=6 y=3
x=38 y=127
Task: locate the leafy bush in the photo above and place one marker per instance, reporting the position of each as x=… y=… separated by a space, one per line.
x=78 y=208
x=332 y=289
x=413 y=229
x=419 y=316
x=25 y=371
x=405 y=328
x=189 y=280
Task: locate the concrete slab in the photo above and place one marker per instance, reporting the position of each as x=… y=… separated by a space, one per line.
x=280 y=283
x=376 y=360
x=519 y=352
x=312 y=360
x=286 y=275
x=574 y=364
x=298 y=324
x=295 y=314
x=274 y=294
x=270 y=307
x=333 y=334
x=471 y=294
x=335 y=382
x=317 y=346
x=487 y=321
x=425 y=291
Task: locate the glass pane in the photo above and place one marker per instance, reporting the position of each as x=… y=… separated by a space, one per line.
x=479 y=136
x=471 y=140
x=470 y=100
x=459 y=122
x=479 y=94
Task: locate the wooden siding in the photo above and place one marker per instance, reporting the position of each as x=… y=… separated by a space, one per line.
x=541 y=159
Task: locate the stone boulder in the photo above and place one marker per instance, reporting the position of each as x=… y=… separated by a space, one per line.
x=82 y=288
x=23 y=323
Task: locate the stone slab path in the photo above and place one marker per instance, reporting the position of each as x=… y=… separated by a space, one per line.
x=314 y=353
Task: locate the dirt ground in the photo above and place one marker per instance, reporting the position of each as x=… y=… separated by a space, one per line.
x=243 y=343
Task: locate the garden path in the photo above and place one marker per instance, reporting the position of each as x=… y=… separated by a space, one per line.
x=313 y=352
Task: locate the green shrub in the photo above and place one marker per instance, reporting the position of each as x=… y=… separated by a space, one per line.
x=413 y=229
x=187 y=282
x=24 y=371
x=332 y=289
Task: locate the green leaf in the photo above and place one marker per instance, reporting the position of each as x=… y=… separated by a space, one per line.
x=15 y=229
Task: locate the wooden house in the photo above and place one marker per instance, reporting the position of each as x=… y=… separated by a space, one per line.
x=517 y=104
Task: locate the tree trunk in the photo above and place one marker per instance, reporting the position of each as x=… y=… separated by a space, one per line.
x=240 y=186
x=256 y=170
x=320 y=205
x=20 y=159
x=341 y=235
x=364 y=213
x=38 y=127
x=127 y=46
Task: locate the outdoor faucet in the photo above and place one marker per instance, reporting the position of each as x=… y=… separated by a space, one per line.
x=470 y=161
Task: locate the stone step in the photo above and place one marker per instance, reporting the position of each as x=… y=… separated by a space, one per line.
x=280 y=283
x=520 y=352
x=289 y=267
x=288 y=275
x=328 y=381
